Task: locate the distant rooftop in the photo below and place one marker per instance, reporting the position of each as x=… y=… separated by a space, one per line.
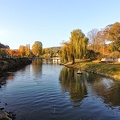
x=4 y=46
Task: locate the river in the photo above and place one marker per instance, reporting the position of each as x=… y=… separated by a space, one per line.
x=53 y=92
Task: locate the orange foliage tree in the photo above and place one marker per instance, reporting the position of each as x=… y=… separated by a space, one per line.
x=15 y=53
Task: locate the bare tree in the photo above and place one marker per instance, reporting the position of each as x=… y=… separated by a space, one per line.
x=93 y=41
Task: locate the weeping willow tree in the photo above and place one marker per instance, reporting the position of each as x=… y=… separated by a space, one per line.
x=65 y=52
x=78 y=42
x=75 y=48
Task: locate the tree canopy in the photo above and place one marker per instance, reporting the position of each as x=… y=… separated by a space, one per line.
x=76 y=47
x=22 y=50
x=114 y=35
x=106 y=40
x=37 y=48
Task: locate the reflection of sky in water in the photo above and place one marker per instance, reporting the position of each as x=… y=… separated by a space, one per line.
x=107 y=83
x=53 y=92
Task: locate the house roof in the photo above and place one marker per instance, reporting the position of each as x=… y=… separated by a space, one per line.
x=3 y=46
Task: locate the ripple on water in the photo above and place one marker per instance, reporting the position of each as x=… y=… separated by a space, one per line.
x=37 y=93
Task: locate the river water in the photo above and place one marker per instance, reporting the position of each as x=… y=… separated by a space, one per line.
x=53 y=92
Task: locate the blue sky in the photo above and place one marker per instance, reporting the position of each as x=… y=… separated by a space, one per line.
x=51 y=21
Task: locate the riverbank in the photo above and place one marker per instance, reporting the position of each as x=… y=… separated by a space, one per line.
x=12 y=64
x=6 y=115
x=106 y=69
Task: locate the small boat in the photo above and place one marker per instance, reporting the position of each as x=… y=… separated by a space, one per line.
x=79 y=71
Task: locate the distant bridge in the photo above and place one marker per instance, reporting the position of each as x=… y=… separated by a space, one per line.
x=54 y=59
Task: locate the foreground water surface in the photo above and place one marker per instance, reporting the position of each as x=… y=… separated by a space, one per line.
x=53 y=92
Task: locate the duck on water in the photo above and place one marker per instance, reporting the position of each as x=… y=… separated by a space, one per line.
x=79 y=71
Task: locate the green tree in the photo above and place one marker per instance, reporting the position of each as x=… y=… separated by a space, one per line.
x=75 y=48
x=65 y=52
x=78 y=43
x=37 y=48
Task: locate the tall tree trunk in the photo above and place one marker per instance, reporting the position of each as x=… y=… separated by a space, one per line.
x=73 y=58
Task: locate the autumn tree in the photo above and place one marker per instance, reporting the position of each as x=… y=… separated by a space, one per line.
x=54 y=52
x=27 y=50
x=22 y=50
x=13 y=52
x=47 y=51
x=93 y=39
x=16 y=53
x=37 y=48
x=43 y=51
x=99 y=41
x=3 y=53
x=51 y=52
x=109 y=39
x=114 y=36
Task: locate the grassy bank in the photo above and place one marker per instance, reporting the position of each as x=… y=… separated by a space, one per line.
x=107 y=69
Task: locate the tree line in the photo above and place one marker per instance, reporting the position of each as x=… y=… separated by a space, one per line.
x=105 y=41
x=25 y=51
x=97 y=44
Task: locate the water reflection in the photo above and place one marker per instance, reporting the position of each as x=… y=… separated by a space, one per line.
x=37 y=67
x=81 y=86
x=7 y=76
x=74 y=84
x=105 y=88
x=85 y=97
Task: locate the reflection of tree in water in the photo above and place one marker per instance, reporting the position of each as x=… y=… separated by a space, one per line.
x=11 y=76
x=99 y=86
x=113 y=95
x=91 y=78
x=7 y=76
x=37 y=66
x=74 y=84
x=108 y=89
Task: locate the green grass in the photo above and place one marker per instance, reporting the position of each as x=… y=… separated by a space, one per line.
x=113 y=69
x=105 y=68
